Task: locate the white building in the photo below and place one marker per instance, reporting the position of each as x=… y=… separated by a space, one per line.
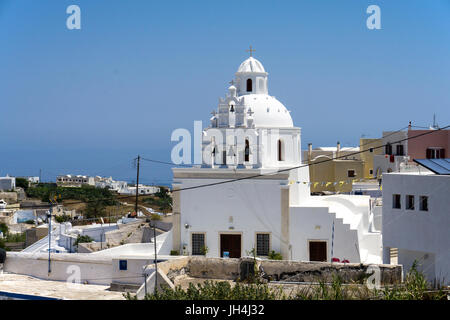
x=69 y=180
x=143 y=190
x=252 y=138
x=395 y=154
x=7 y=183
x=110 y=183
x=31 y=179
x=416 y=222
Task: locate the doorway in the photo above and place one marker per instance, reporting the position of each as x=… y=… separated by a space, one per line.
x=230 y=243
x=317 y=251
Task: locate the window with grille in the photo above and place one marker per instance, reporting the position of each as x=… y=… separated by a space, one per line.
x=262 y=244
x=198 y=243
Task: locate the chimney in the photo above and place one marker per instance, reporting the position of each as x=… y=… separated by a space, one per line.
x=409 y=126
x=338 y=149
x=309 y=151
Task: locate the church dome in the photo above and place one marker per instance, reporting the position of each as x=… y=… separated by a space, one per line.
x=251 y=65
x=267 y=111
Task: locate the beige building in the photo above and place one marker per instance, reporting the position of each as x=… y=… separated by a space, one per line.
x=374 y=147
x=336 y=168
x=334 y=175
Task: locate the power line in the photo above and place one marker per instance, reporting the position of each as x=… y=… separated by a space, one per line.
x=309 y=164
x=390 y=134
x=261 y=175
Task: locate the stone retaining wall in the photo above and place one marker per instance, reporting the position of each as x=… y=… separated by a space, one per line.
x=279 y=270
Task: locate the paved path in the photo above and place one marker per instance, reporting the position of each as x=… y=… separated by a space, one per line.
x=22 y=284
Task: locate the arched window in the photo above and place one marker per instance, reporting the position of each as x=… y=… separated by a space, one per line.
x=247 y=151
x=249 y=85
x=280 y=151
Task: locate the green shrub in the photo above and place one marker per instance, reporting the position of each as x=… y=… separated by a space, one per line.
x=174 y=253
x=155 y=216
x=90 y=194
x=23 y=183
x=30 y=222
x=204 y=250
x=275 y=255
x=63 y=218
x=15 y=237
x=83 y=239
x=3 y=228
x=216 y=290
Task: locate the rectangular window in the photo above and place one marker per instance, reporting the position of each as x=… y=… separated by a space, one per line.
x=409 y=202
x=123 y=265
x=396 y=201
x=262 y=244
x=351 y=173
x=435 y=153
x=198 y=243
x=423 y=203
x=388 y=149
x=400 y=150
x=371 y=171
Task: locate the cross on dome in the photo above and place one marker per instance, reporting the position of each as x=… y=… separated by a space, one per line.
x=250 y=50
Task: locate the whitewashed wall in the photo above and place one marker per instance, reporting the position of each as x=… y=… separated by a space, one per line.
x=255 y=206
x=415 y=230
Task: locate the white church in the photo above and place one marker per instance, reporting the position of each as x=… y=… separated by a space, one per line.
x=246 y=195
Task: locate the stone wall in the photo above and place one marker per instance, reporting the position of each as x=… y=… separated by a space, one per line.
x=9 y=197
x=277 y=270
x=293 y=271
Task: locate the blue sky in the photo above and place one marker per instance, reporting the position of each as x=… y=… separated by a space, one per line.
x=88 y=101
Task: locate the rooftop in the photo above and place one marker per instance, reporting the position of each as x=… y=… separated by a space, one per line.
x=26 y=285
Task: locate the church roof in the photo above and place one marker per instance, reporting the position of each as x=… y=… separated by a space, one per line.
x=251 y=65
x=268 y=111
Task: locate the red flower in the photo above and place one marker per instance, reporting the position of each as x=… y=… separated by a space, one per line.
x=335 y=260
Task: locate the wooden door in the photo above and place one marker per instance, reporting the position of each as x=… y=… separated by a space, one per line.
x=317 y=251
x=232 y=244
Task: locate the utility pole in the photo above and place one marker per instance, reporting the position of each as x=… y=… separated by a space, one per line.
x=49 y=218
x=137 y=185
x=156 y=256
x=145 y=281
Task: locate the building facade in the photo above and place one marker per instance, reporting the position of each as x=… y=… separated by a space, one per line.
x=401 y=147
x=7 y=183
x=251 y=191
x=69 y=180
x=416 y=222
x=333 y=169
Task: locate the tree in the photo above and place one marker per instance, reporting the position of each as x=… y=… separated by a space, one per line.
x=95 y=209
x=22 y=183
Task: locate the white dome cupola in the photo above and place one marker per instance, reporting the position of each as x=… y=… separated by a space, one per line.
x=251 y=77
